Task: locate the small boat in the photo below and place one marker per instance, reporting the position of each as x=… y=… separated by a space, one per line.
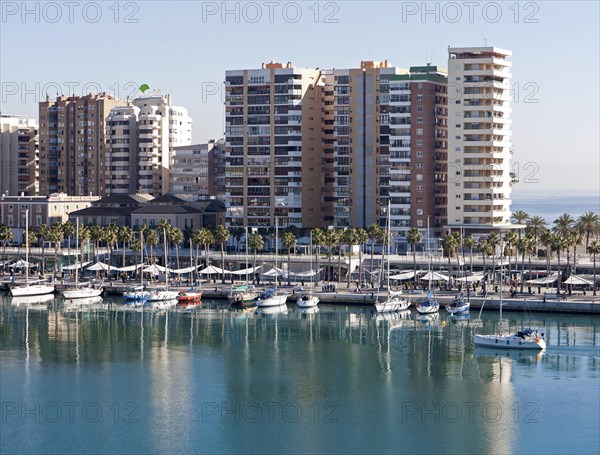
x=243 y=297
x=393 y=302
x=429 y=305
x=307 y=300
x=163 y=304
x=82 y=291
x=459 y=305
x=272 y=310
x=271 y=297
x=158 y=295
x=189 y=296
x=136 y=295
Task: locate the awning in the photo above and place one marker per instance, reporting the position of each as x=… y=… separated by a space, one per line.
x=403 y=276
x=77 y=265
x=101 y=266
x=212 y=270
x=307 y=273
x=545 y=280
x=185 y=270
x=435 y=276
x=472 y=278
x=20 y=264
x=275 y=272
x=131 y=268
x=154 y=269
x=247 y=271
x=577 y=280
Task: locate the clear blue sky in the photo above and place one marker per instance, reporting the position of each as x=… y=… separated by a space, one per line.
x=184 y=48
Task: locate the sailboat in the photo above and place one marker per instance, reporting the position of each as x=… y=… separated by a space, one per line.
x=430 y=304
x=392 y=300
x=308 y=299
x=157 y=295
x=33 y=288
x=459 y=305
x=528 y=338
x=272 y=296
x=81 y=290
x=138 y=294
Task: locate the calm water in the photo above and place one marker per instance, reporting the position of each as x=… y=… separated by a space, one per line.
x=550 y=204
x=107 y=380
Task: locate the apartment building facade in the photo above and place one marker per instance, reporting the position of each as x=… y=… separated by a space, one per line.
x=19 y=156
x=72 y=142
x=479 y=144
x=273 y=146
x=194 y=170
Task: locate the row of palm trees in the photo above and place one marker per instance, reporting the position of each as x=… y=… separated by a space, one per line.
x=563 y=237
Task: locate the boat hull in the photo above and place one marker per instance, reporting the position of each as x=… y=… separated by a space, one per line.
x=428 y=309
x=159 y=296
x=308 y=301
x=81 y=293
x=136 y=295
x=509 y=342
x=458 y=309
x=185 y=297
x=32 y=289
x=274 y=300
x=391 y=305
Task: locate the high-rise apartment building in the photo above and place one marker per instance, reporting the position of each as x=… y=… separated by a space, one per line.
x=122 y=150
x=193 y=171
x=72 y=140
x=479 y=144
x=273 y=148
x=141 y=139
x=19 y=158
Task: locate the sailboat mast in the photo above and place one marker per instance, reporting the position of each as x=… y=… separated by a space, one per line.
x=389 y=237
x=77 y=255
x=27 y=245
x=142 y=257
x=501 y=277
x=191 y=261
x=166 y=257
x=276 y=249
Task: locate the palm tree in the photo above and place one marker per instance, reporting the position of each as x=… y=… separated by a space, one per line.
x=519 y=217
x=237 y=233
x=330 y=241
x=350 y=238
x=208 y=239
x=484 y=247
x=470 y=243
x=361 y=237
x=594 y=249
x=560 y=243
x=494 y=242
x=96 y=235
x=68 y=231
x=414 y=237
x=510 y=239
x=110 y=236
x=375 y=234
x=588 y=224
x=576 y=238
x=536 y=226
x=43 y=234
x=449 y=246
x=151 y=239
x=256 y=242
x=547 y=239
x=56 y=236
x=176 y=236
x=125 y=235
x=289 y=242
x=6 y=236
x=563 y=225
x=318 y=239
x=84 y=236
x=341 y=234
x=221 y=236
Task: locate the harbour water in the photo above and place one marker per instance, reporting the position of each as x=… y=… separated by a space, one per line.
x=109 y=379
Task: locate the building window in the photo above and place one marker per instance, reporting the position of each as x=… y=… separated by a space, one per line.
x=419 y=177
x=420 y=223
x=419 y=131
x=419 y=189
x=419 y=143
x=419 y=97
x=419 y=119
x=457 y=208
x=419 y=108
x=419 y=165
x=457 y=149
x=419 y=211
x=39 y=209
x=420 y=154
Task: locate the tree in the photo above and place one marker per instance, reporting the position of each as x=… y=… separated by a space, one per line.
x=375 y=234
x=176 y=236
x=484 y=247
x=494 y=241
x=588 y=224
x=84 y=236
x=289 y=242
x=547 y=239
x=470 y=243
x=68 y=231
x=151 y=239
x=519 y=217
x=43 y=234
x=330 y=241
x=576 y=238
x=594 y=249
x=255 y=242
x=317 y=239
x=56 y=236
x=349 y=238
x=414 y=237
x=361 y=237
x=449 y=246
x=563 y=225
x=237 y=233
x=96 y=235
x=208 y=239
x=536 y=226
x=6 y=236
x=341 y=234
x=125 y=235
x=559 y=244
x=110 y=236
x=221 y=236
x=510 y=240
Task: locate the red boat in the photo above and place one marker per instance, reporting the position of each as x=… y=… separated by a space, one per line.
x=189 y=296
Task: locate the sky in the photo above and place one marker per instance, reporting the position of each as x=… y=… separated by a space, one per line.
x=184 y=49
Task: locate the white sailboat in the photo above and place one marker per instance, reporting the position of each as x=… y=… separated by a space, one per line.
x=33 y=288
x=138 y=294
x=160 y=295
x=528 y=338
x=430 y=305
x=273 y=296
x=460 y=305
x=308 y=299
x=392 y=300
x=81 y=290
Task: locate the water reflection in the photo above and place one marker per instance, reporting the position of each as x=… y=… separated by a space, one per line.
x=198 y=375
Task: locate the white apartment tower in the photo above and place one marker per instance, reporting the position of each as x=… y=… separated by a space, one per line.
x=479 y=138
x=161 y=128
x=19 y=158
